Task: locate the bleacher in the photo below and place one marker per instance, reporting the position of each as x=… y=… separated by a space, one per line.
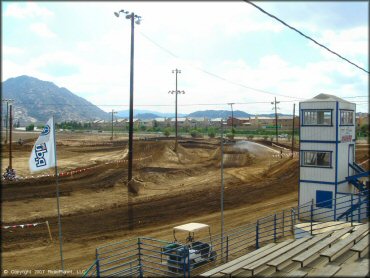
x=342 y=252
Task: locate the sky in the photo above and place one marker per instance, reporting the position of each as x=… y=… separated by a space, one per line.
x=228 y=52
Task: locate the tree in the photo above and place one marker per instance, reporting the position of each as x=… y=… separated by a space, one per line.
x=230 y=136
x=194 y=133
x=211 y=132
x=365 y=130
x=167 y=132
x=30 y=127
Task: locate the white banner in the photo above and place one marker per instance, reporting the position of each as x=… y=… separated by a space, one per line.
x=43 y=153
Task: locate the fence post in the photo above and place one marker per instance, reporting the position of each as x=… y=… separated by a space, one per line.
x=311 y=215
x=351 y=210
x=139 y=257
x=186 y=266
x=275 y=227
x=283 y=222
x=97 y=263
x=227 y=248
x=292 y=213
x=257 y=224
x=359 y=208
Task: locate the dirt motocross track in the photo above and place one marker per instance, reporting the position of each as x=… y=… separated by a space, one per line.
x=169 y=189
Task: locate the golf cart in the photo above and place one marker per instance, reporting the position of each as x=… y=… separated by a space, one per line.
x=197 y=252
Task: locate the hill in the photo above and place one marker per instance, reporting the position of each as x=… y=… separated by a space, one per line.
x=35 y=101
x=144 y=114
x=211 y=114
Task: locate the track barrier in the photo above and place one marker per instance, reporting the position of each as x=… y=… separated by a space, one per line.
x=81 y=170
x=29 y=226
x=149 y=257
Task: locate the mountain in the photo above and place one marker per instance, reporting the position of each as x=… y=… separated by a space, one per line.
x=273 y=115
x=35 y=101
x=145 y=116
x=156 y=114
x=211 y=114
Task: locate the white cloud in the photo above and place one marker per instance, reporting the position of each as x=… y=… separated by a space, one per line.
x=42 y=30
x=27 y=10
x=351 y=42
x=11 y=50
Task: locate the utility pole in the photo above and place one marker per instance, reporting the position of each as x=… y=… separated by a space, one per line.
x=176 y=92
x=222 y=189
x=232 y=116
x=10 y=136
x=293 y=130
x=113 y=112
x=7 y=118
x=276 y=119
x=6 y=121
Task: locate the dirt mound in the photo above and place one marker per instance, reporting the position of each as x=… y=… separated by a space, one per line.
x=164 y=152
x=233 y=157
x=135 y=185
x=283 y=167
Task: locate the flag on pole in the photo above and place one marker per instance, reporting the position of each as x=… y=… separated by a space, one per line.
x=43 y=152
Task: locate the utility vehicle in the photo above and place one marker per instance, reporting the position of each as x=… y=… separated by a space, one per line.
x=196 y=252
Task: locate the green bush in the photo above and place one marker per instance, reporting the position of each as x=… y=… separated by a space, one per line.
x=230 y=136
x=194 y=133
x=167 y=132
x=31 y=127
x=211 y=133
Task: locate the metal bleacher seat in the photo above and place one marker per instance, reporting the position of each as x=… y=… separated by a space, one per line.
x=282 y=261
x=213 y=272
x=345 y=244
x=237 y=268
x=314 y=252
x=362 y=247
x=261 y=264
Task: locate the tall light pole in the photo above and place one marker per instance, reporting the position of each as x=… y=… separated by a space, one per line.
x=10 y=136
x=113 y=112
x=132 y=16
x=276 y=119
x=222 y=189
x=176 y=92
x=232 y=116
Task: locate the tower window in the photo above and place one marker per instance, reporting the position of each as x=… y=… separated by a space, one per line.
x=346 y=117
x=317 y=117
x=316 y=159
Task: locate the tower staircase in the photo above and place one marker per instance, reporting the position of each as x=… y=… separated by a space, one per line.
x=363 y=188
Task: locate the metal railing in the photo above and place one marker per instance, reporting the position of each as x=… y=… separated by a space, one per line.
x=157 y=258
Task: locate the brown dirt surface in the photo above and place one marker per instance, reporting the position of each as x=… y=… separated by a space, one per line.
x=172 y=189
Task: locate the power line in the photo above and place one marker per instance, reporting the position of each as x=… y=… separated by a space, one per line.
x=355 y=96
x=170 y=105
x=302 y=34
x=213 y=74
x=188 y=104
